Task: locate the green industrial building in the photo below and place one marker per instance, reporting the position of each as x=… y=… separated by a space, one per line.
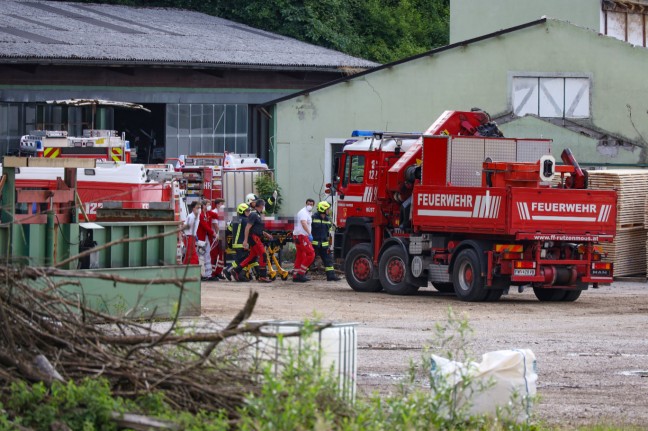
x=574 y=82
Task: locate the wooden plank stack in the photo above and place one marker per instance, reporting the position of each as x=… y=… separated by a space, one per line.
x=646 y=227
x=629 y=249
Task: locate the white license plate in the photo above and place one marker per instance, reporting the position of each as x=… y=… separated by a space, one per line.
x=524 y=271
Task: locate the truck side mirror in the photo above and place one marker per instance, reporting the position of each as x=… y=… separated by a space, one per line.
x=547 y=168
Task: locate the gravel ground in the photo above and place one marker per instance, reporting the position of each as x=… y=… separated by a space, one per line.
x=592 y=354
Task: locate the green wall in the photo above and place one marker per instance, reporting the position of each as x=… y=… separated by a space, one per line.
x=473 y=18
x=411 y=95
x=586 y=147
x=137 y=301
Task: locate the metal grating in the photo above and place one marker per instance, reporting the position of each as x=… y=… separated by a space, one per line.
x=439 y=273
x=467 y=155
x=499 y=150
x=529 y=150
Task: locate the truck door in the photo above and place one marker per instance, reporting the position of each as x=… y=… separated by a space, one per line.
x=352 y=187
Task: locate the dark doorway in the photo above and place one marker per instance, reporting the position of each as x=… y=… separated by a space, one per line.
x=145 y=131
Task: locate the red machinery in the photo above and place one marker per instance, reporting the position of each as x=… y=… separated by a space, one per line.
x=119 y=185
x=441 y=207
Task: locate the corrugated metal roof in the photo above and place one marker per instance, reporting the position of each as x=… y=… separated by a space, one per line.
x=37 y=30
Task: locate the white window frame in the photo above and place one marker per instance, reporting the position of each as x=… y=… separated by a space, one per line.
x=546 y=104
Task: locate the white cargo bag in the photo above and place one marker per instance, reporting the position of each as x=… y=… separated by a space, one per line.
x=502 y=377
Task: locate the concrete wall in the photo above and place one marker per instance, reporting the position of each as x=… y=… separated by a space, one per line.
x=411 y=95
x=473 y=18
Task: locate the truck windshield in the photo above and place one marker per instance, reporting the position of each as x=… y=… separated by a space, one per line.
x=354 y=170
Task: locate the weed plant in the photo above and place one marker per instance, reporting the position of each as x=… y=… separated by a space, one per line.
x=297 y=394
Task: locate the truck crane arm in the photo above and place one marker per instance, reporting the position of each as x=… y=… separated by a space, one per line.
x=456 y=123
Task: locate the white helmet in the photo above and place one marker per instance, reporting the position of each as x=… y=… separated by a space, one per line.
x=250 y=197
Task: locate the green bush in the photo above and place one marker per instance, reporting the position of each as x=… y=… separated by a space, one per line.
x=265 y=185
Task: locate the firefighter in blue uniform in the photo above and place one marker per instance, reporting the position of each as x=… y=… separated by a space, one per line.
x=237 y=228
x=321 y=231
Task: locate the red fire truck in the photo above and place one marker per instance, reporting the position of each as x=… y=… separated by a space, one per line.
x=470 y=211
x=103 y=145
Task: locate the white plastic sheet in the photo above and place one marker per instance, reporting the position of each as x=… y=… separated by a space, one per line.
x=504 y=378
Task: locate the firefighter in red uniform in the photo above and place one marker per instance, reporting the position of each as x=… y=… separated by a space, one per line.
x=302 y=237
x=253 y=240
x=216 y=215
x=190 y=227
x=203 y=235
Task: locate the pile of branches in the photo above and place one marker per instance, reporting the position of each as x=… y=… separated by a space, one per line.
x=46 y=335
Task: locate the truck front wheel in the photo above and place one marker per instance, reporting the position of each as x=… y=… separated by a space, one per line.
x=466 y=277
x=393 y=272
x=359 y=269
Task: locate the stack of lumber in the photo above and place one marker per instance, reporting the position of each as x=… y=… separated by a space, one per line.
x=646 y=227
x=629 y=249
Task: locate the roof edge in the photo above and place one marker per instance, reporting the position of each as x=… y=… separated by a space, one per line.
x=407 y=59
x=6 y=60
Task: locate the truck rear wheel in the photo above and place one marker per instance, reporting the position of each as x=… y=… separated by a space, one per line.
x=359 y=269
x=572 y=295
x=466 y=276
x=552 y=295
x=393 y=272
x=555 y=295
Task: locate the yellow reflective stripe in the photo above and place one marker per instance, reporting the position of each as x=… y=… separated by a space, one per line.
x=238 y=233
x=116 y=153
x=51 y=152
x=509 y=248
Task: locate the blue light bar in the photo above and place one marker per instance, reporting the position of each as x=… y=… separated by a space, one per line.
x=357 y=133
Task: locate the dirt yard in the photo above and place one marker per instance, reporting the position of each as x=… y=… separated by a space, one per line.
x=592 y=355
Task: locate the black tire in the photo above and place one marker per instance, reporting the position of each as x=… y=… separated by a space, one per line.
x=571 y=295
x=549 y=295
x=468 y=282
x=359 y=269
x=493 y=295
x=394 y=272
x=443 y=287
x=495 y=292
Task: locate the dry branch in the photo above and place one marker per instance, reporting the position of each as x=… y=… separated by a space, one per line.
x=46 y=335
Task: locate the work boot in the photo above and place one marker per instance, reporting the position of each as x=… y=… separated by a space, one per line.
x=300 y=278
x=331 y=276
x=263 y=276
x=236 y=274
x=227 y=273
